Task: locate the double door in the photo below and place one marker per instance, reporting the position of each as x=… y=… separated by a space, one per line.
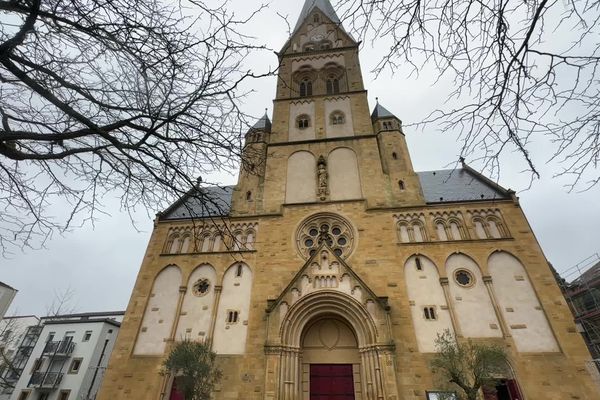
x=331 y=382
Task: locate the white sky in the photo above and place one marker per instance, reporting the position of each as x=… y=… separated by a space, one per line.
x=101 y=263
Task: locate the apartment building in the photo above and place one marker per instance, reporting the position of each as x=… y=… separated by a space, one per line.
x=69 y=358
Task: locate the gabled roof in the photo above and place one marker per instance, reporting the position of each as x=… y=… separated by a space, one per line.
x=212 y=201
x=381 y=112
x=461 y=184
x=324 y=6
x=346 y=269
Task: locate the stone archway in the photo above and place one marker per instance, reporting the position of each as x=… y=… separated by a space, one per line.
x=357 y=327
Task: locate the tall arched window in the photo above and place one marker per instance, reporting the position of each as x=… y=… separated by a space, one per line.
x=303 y=121
x=333 y=85
x=305 y=87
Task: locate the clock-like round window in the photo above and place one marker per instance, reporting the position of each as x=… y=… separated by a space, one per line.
x=325 y=229
x=464 y=278
x=201 y=287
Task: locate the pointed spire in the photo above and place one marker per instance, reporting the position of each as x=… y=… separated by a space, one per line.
x=263 y=124
x=323 y=5
x=381 y=112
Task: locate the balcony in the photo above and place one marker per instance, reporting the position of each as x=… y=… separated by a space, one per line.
x=45 y=380
x=63 y=348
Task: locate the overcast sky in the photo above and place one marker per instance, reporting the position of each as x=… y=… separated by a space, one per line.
x=101 y=263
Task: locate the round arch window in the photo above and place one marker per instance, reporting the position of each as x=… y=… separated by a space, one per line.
x=303 y=121
x=464 y=278
x=201 y=287
x=325 y=229
x=337 y=118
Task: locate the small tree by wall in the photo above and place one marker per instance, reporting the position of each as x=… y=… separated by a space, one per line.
x=193 y=364
x=468 y=367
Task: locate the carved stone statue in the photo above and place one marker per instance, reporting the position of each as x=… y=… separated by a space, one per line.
x=322 y=188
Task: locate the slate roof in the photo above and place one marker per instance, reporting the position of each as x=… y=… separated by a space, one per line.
x=263 y=124
x=441 y=186
x=213 y=201
x=461 y=184
x=381 y=112
x=323 y=5
x=7 y=286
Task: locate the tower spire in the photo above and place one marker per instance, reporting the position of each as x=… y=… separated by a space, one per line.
x=324 y=6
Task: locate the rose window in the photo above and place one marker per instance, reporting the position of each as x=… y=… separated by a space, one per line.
x=325 y=229
x=201 y=287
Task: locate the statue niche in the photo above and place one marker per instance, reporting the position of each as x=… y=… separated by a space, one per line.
x=323 y=179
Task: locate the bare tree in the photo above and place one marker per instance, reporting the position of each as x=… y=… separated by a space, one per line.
x=525 y=73
x=135 y=98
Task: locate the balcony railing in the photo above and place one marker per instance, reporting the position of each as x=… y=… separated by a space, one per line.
x=45 y=380
x=62 y=348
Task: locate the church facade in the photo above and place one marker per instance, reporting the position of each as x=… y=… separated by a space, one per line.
x=329 y=269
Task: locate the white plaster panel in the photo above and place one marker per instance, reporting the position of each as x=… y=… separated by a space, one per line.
x=231 y=338
x=160 y=313
x=344 y=178
x=318 y=62
x=343 y=105
x=424 y=290
x=196 y=311
x=473 y=306
x=301 y=183
x=520 y=305
x=297 y=109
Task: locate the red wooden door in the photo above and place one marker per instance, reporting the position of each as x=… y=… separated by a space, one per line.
x=513 y=389
x=331 y=382
x=175 y=394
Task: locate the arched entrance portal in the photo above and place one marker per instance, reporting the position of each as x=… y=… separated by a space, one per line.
x=329 y=334
x=330 y=360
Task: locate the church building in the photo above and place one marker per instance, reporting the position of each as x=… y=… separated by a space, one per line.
x=328 y=271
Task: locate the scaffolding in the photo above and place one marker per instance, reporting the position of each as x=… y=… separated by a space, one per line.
x=581 y=288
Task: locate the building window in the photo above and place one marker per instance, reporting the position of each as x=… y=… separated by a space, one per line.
x=337 y=118
x=64 y=395
x=201 y=287
x=464 y=278
x=418 y=263
x=75 y=365
x=37 y=365
x=50 y=337
x=303 y=121
x=401 y=185
x=429 y=313
x=316 y=18
x=248 y=196
x=44 y=396
x=305 y=88
x=326 y=46
x=387 y=126
x=333 y=85
x=232 y=317
x=24 y=395
x=87 y=336
x=239 y=271
x=394 y=156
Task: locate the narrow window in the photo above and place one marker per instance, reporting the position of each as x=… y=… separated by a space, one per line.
x=333 y=85
x=239 y=270
x=303 y=122
x=316 y=18
x=87 y=336
x=305 y=88
x=75 y=366
x=248 y=196
x=232 y=317
x=418 y=262
x=401 y=185
x=24 y=395
x=64 y=395
x=394 y=156
x=429 y=313
x=337 y=118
